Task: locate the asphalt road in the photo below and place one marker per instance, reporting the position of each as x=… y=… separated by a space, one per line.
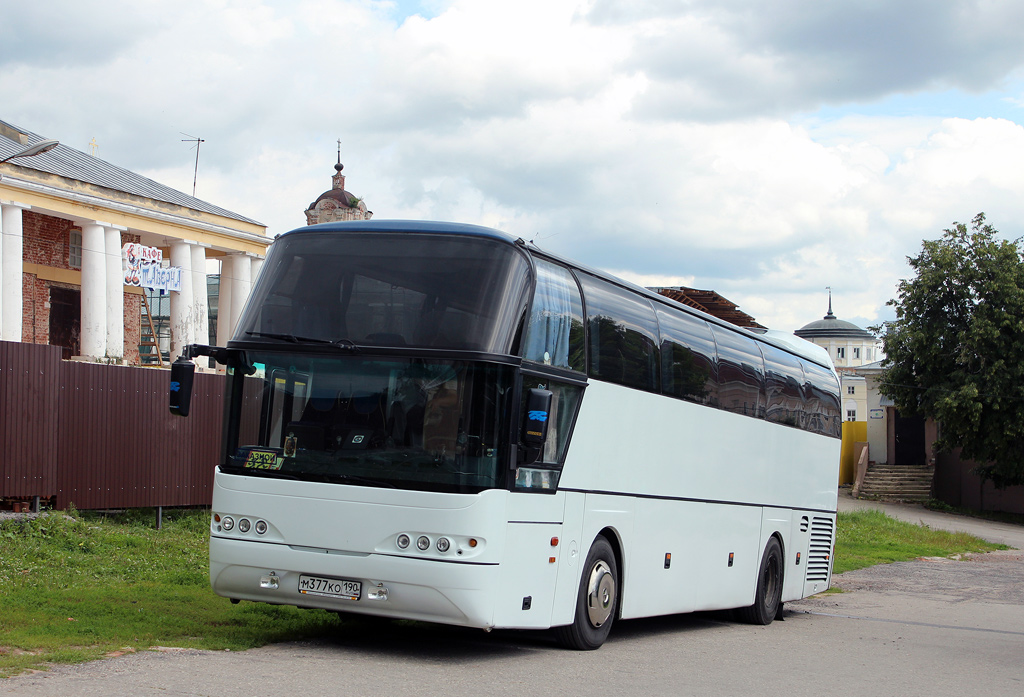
x=929 y=627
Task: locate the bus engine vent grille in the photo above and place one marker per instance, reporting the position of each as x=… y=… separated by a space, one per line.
x=820 y=549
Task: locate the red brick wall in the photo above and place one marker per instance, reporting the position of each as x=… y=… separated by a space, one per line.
x=46 y=242
x=46 y=239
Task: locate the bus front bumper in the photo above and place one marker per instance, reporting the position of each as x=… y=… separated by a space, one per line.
x=402 y=588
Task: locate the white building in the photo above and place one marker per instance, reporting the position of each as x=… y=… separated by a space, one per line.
x=850 y=347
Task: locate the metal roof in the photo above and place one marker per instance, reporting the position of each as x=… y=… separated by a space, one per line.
x=64 y=161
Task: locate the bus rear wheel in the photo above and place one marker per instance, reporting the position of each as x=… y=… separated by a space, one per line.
x=768 y=597
x=596 y=602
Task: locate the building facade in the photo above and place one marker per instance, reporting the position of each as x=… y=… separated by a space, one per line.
x=850 y=347
x=82 y=238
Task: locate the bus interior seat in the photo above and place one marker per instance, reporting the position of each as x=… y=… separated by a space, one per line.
x=441 y=421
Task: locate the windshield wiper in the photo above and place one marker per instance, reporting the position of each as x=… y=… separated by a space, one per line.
x=344 y=344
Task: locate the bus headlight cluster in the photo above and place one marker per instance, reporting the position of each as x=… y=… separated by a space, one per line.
x=441 y=543
x=228 y=523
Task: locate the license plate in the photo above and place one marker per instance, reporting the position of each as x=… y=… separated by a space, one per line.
x=330 y=587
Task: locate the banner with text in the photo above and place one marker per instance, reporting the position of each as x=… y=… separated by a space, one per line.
x=142 y=268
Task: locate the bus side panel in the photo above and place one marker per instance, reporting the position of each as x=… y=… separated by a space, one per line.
x=664 y=528
x=570 y=560
x=798 y=541
x=727 y=530
x=530 y=565
x=616 y=514
x=778 y=522
x=632 y=442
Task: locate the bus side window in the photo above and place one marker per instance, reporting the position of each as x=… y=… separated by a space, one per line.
x=740 y=373
x=688 y=367
x=623 y=338
x=822 y=399
x=784 y=382
x=554 y=334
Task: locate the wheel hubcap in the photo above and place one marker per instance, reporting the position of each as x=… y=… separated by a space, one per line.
x=600 y=594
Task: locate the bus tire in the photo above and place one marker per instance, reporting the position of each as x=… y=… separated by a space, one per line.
x=597 y=601
x=768 y=597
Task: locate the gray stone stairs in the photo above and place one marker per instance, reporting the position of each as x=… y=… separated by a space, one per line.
x=897 y=483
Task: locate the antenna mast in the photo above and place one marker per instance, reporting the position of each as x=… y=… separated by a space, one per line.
x=195 y=175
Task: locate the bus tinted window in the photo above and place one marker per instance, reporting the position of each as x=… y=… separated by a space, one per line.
x=688 y=366
x=821 y=395
x=390 y=289
x=784 y=381
x=554 y=335
x=623 y=335
x=740 y=373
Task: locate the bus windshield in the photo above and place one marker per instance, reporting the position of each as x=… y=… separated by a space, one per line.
x=391 y=289
x=403 y=423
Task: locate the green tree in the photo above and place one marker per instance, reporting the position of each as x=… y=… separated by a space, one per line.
x=955 y=351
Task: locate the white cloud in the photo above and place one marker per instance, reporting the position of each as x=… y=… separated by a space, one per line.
x=669 y=141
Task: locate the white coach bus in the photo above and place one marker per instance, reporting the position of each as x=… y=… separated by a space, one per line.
x=441 y=422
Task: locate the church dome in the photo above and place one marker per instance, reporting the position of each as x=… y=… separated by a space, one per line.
x=831 y=327
x=337 y=203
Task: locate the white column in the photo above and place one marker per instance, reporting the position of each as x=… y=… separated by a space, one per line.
x=182 y=323
x=256 y=266
x=199 y=291
x=115 y=292
x=240 y=285
x=94 y=291
x=224 y=300
x=11 y=264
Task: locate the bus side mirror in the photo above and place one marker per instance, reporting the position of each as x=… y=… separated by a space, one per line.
x=182 y=372
x=535 y=423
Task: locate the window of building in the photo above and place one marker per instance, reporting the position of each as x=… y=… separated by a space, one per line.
x=869 y=354
x=851 y=414
x=841 y=352
x=850 y=389
x=856 y=353
x=75 y=249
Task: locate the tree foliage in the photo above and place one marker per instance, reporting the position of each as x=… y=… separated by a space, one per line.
x=955 y=351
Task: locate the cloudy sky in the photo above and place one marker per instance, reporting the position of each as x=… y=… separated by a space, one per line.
x=766 y=150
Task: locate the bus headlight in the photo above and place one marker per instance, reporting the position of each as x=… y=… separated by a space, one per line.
x=243 y=525
x=423 y=542
x=228 y=522
x=402 y=541
x=443 y=544
x=261 y=527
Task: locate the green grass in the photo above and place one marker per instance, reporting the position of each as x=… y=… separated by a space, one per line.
x=870 y=537
x=77 y=588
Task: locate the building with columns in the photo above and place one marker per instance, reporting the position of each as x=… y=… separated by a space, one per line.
x=73 y=229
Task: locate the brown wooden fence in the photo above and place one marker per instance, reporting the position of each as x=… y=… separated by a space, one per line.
x=956 y=485
x=101 y=436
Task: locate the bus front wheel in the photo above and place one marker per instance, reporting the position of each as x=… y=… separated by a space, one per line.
x=768 y=597
x=596 y=602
